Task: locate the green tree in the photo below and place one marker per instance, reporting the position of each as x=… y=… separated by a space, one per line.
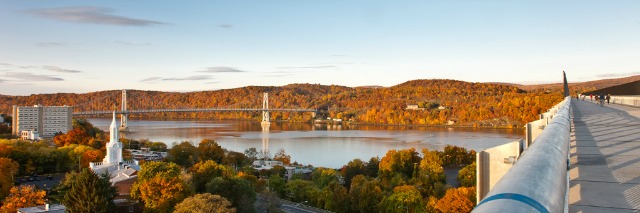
x=204 y=203
x=251 y=153
x=399 y=162
x=431 y=166
x=235 y=159
x=156 y=146
x=467 y=175
x=323 y=176
x=210 y=150
x=403 y=197
x=204 y=171
x=372 y=167
x=237 y=190
x=336 y=197
x=183 y=154
x=353 y=168
x=87 y=192
x=276 y=184
x=298 y=190
x=365 y=195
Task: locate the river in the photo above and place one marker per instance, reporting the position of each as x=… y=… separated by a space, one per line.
x=318 y=145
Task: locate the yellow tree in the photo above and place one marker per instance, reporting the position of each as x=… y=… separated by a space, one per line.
x=22 y=196
x=161 y=194
x=160 y=186
x=202 y=203
x=403 y=197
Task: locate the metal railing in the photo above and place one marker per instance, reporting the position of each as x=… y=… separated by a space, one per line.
x=538 y=181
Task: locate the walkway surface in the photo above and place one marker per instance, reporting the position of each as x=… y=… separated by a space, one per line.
x=605 y=158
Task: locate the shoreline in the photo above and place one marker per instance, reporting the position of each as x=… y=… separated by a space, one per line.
x=346 y=123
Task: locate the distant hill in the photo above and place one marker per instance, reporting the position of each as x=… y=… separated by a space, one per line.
x=465 y=103
x=582 y=87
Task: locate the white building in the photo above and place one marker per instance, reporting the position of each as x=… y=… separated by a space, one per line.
x=113 y=164
x=29 y=135
x=46 y=120
x=55 y=208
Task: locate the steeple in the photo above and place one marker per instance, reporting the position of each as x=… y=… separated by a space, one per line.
x=113 y=129
x=114 y=147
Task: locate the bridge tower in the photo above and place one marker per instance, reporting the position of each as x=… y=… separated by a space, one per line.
x=265 y=126
x=265 y=108
x=124 y=116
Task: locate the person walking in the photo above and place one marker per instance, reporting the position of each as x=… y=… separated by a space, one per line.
x=608 y=98
x=601 y=99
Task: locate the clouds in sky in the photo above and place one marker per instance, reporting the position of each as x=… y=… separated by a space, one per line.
x=311 y=67
x=226 y=26
x=51 y=44
x=31 y=77
x=617 y=75
x=189 y=78
x=126 y=43
x=221 y=70
x=58 y=69
x=91 y=15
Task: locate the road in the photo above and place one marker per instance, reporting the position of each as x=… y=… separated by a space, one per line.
x=294 y=209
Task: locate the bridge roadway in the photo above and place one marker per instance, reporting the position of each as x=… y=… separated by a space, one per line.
x=605 y=158
x=192 y=110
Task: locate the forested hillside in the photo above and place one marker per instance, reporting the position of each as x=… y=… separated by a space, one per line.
x=581 y=87
x=467 y=104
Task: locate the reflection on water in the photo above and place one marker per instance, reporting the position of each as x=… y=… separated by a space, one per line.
x=318 y=145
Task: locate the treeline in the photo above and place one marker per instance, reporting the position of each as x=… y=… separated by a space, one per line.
x=469 y=104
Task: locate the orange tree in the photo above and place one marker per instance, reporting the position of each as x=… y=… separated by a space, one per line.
x=8 y=168
x=461 y=200
x=22 y=196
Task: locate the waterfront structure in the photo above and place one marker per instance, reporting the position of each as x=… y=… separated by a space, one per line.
x=118 y=169
x=46 y=120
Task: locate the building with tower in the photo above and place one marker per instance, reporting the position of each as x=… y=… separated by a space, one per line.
x=118 y=169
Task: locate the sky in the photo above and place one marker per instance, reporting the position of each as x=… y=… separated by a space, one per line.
x=85 y=46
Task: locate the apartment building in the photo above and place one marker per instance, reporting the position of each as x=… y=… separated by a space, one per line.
x=46 y=120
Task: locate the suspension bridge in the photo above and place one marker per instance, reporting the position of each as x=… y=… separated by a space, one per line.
x=125 y=112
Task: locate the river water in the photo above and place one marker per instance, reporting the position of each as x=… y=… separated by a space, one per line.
x=318 y=145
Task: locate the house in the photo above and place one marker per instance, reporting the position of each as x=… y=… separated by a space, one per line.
x=412 y=107
x=29 y=135
x=289 y=170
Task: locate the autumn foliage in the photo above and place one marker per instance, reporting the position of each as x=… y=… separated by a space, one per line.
x=468 y=104
x=22 y=196
x=457 y=200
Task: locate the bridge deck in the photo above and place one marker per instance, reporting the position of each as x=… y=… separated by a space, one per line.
x=605 y=158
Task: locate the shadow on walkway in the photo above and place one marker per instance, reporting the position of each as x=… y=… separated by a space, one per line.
x=605 y=159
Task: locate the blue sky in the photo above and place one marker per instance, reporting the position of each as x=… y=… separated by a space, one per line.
x=84 y=46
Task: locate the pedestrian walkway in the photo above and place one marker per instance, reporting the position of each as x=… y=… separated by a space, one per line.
x=605 y=158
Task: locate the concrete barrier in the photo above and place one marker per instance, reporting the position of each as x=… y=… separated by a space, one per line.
x=537 y=182
x=493 y=163
x=626 y=100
